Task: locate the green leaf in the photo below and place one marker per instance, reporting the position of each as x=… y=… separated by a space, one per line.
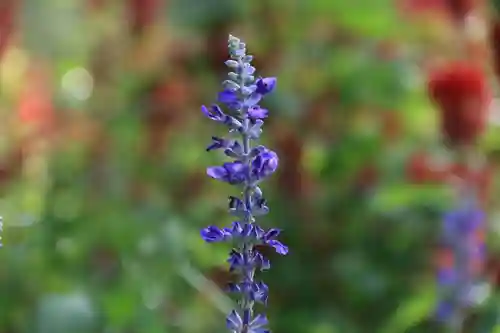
x=413 y=310
x=120 y=307
x=408 y=195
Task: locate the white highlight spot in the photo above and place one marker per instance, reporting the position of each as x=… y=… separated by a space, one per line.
x=78 y=83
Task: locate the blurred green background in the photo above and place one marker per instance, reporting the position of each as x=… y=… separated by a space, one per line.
x=102 y=165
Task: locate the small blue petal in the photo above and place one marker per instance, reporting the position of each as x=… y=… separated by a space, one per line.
x=259 y=292
x=213 y=234
x=278 y=246
x=264 y=164
x=444 y=311
x=258 y=232
x=217 y=172
x=233 y=287
x=217 y=143
x=261 y=262
x=232 y=172
x=256 y=112
x=248 y=230
x=236 y=206
x=227 y=97
x=259 y=321
x=266 y=85
x=236 y=228
x=256 y=130
x=252 y=100
x=214 y=113
x=246 y=317
x=234 y=150
x=271 y=234
x=234 y=322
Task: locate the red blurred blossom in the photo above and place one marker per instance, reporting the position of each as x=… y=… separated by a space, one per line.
x=35 y=106
x=7 y=16
x=456 y=9
x=493 y=269
x=141 y=13
x=419 y=170
x=495 y=46
x=462 y=95
x=459 y=9
x=94 y=6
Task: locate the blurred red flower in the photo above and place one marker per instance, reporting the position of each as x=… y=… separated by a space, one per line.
x=495 y=46
x=7 y=14
x=35 y=107
x=459 y=9
x=141 y=13
x=456 y=9
x=493 y=269
x=462 y=95
x=96 y=4
x=419 y=171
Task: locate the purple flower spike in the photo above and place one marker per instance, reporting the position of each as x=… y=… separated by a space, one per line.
x=456 y=275
x=252 y=163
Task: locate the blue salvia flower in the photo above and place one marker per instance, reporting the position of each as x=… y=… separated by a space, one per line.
x=250 y=165
x=457 y=275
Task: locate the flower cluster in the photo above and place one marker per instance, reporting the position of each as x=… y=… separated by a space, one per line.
x=249 y=167
x=461 y=92
x=461 y=259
